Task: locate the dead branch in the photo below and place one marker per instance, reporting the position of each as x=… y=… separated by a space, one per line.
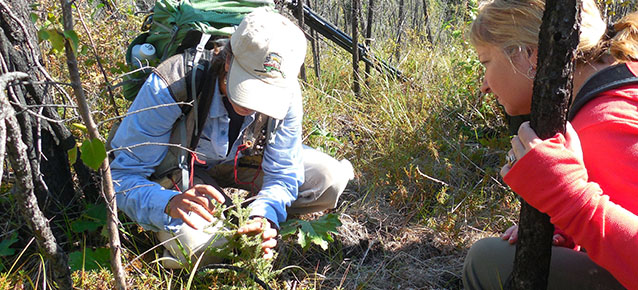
x=24 y=193
x=33 y=53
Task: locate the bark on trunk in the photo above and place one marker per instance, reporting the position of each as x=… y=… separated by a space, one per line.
x=368 y=40
x=24 y=190
x=355 y=48
x=19 y=51
x=552 y=90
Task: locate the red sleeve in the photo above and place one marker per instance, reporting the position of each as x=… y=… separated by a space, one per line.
x=561 y=189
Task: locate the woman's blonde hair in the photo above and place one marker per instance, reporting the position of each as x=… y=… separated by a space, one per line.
x=513 y=25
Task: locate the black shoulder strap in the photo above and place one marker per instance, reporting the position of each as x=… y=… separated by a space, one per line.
x=205 y=79
x=607 y=79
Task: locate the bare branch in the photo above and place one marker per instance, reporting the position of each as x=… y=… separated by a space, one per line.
x=128 y=148
x=99 y=62
x=142 y=110
x=24 y=191
x=33 y=51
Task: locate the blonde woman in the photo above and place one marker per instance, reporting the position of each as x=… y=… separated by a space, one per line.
x=587 y=179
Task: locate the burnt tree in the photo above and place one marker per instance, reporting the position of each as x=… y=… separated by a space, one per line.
x=48 y=140
x=45 y=188
x=558 y=40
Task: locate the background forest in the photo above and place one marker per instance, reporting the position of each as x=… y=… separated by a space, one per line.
x=426 y=150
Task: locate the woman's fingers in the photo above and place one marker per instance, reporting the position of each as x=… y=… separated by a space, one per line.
x=186 y=218
x=269 y=233
x=208 y=190
x=528 y=137
x=269 y=244
x=253 y=226
x=205 y=195
x=201 y=210
x=269 y=253
x=511 y=234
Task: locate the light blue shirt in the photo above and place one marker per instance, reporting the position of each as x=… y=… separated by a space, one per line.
x=144 y=201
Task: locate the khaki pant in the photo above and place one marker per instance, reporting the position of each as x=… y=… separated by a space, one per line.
x=489 y=263
x=325 y=180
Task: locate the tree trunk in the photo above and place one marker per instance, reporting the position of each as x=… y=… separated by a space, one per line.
x=24 y=190
x=314 y=43
x=355 y=48
x=107 y=183
x=51 y=174
x=558 y=39
x=397 y=51
x=426 y=22
x=368 y=40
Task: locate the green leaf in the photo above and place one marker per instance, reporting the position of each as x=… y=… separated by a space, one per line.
x=318 y=232
x=301 y=240
x=73 y=154
x=56 y=39
x=288 y=228
x=93 y=218
x=5 y=245
x=43 y=34
x=34 y=17
x=73 y=38
x=93 y=260
x=93 y=153
x=80 y=126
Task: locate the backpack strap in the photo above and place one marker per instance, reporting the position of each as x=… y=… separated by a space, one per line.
x=187 y=80
x=607 y=79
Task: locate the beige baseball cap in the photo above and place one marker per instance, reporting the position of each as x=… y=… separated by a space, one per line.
x=268 y=51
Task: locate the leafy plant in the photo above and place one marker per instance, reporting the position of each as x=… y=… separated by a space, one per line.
x=5 y=245
x=92 y=151
x=318 y=232
x=93 y=218
x=89 y=259
x=5 y=248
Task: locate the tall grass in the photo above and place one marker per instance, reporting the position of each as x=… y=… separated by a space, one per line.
x=432 y=147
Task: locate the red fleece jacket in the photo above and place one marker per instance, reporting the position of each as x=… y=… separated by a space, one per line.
x=594 y=200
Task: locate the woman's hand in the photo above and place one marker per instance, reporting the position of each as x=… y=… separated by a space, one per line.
x=511 y=236
x=200 y=199
x=269 y=235
x=527 y=139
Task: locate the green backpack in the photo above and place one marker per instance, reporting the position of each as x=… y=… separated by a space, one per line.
x=176 y=25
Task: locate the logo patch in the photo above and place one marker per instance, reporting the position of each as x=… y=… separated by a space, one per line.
x=272 y=63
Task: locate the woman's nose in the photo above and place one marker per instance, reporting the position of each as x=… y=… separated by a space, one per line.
x=485 y=88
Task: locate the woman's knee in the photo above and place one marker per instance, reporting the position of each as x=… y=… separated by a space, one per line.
x=488 y=263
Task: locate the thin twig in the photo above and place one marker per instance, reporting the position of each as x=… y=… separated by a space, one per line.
x=431 y=178
x=144 y=109
x=33 y=51
x=99 y=62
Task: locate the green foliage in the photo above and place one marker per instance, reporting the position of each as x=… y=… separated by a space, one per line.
x=5 y=245
x=242 y=251
x=93 y=218
x=73 y=38
x=318 y=232
x=93 y=153
x=89 y=259
x=325 y=140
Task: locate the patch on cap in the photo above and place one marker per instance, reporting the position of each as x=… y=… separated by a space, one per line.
x=272 y=63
